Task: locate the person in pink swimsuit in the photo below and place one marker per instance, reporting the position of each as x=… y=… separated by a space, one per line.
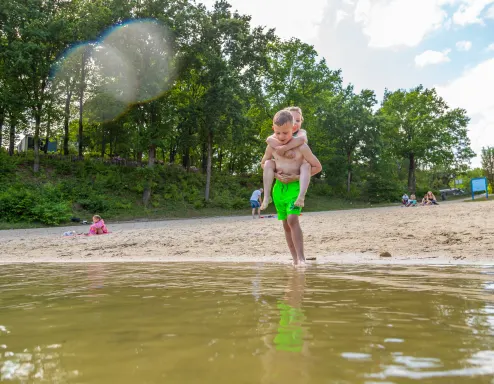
x=98 y=227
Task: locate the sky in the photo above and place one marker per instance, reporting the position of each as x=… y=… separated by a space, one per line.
x=378 y=44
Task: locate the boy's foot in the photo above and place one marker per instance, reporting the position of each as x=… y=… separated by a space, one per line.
x=265 y=204
x=299 y=202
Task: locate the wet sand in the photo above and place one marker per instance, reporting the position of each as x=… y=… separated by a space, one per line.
x=451 y=233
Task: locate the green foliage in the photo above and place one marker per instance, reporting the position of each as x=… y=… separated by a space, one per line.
x=382 y=189
x=488 y=163
x=229 y=77
x=30 y=203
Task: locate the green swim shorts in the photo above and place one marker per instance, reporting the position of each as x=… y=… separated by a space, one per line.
x=290 y=336
x=284 y=197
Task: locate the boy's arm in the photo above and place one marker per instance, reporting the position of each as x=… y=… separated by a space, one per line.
x=315 y=164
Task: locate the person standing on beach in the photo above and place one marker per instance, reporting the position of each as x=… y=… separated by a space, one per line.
x=255 y=203
x=287 y=187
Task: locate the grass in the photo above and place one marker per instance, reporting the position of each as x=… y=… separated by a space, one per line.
x=479 y=200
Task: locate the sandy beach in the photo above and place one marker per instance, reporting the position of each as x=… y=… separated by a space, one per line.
x=451 y=233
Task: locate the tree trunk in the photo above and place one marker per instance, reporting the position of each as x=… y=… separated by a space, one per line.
x=48 y=133
x=2 y=117
x=411 y=174
x=186 y=159
x=81 y=100
x=349 y=173
x=173 y=152
x=146 y=195
x=13 y=123
x=204 y=158
x=37 y=119
x=220 y=160
x=103 y=142
x=66 y=118
x=208 y=168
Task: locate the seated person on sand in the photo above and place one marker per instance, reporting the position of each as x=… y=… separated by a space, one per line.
x=98 y=227
x=285 y=150
x=425 y=200
x=404 y=199
x=432 y=198
x=412 y=202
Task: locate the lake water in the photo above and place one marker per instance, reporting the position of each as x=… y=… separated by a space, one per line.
x=245 y=323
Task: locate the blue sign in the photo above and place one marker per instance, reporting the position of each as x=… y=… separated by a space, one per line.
x=479 y=184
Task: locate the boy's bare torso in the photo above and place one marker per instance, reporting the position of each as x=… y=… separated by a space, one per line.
x=289 y=166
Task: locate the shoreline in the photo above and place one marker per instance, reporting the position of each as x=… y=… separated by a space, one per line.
x=449 y=234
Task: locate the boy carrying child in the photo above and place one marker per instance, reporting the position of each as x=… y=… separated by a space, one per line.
x=286 y=190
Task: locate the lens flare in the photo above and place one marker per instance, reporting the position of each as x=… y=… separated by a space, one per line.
x=131 y=63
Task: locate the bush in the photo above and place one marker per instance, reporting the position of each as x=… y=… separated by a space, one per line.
x=319 y=188
x=94 y=204
x=51 y=213
x=41 y=204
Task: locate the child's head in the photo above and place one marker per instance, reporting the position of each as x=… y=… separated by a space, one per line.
x=96 y=218
x=298 y=119
x=283 y=126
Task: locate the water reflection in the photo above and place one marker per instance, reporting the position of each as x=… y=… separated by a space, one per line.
x=131 y=323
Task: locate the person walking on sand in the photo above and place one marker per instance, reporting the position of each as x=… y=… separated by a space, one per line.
x=255 y=203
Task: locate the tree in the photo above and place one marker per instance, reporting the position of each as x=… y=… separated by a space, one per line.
x=420 y=127
x=488 y=163
x=349 y=119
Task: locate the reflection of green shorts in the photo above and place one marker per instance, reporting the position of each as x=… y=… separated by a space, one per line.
x=290 y=333
x=284 y=197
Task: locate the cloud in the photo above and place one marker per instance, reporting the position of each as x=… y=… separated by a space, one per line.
x=490 y=13
x=463 y=45
x=490 y=47
x=432 y=57
x=472 y=91
x=391 y=23
x=469 y=12
x=340 y=15
x=290 y=17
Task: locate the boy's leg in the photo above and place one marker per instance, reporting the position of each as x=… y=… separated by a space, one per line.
x=259 y=212
x=268 y=177
x=296 y=237
x=289 y=241
x=305 y=169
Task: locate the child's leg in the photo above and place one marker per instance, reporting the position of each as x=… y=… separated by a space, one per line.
x=289 y=241
x=296 y=237
x=268 y=177
x=305 y=169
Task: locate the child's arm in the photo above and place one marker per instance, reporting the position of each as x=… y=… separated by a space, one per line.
x=315 y=164
x=268 y=155
x=293 y=143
